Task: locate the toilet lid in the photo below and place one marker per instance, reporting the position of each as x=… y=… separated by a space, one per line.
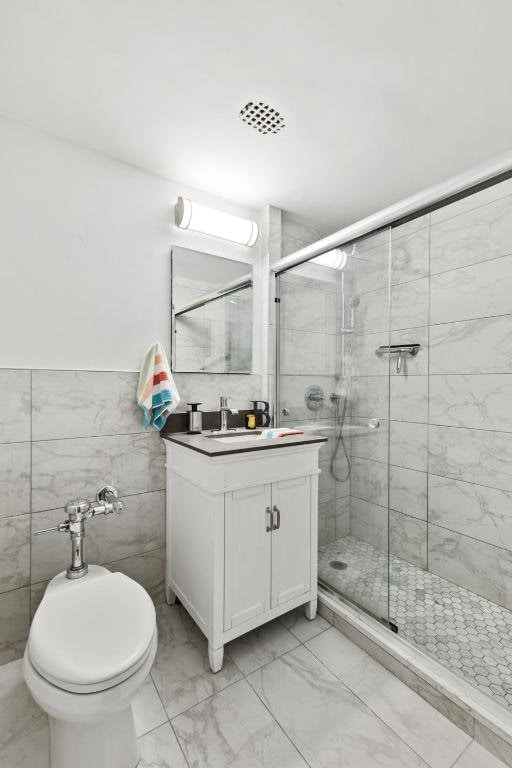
x=90 y=635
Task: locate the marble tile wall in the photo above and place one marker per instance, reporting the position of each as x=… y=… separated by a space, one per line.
x=64 y=434
x=450 y=410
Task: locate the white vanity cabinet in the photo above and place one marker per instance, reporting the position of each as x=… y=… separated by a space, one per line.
x=241 y=536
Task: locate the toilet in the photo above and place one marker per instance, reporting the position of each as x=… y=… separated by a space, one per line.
x=91 y=646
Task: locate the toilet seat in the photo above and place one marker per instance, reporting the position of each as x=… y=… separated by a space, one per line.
x=92 y=636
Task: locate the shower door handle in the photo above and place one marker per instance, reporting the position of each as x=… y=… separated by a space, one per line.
x=276 y=515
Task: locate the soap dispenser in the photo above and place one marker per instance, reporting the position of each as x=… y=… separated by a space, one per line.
x=195 y=419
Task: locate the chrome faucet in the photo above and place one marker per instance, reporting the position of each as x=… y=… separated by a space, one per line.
x=224 y=410
x=78 y=511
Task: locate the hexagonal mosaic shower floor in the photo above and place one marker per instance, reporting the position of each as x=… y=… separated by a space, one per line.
x=467 y=633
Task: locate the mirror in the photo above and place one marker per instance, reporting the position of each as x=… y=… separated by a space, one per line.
x=211 y=313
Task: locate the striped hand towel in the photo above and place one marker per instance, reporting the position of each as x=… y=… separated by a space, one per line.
x=156 y=394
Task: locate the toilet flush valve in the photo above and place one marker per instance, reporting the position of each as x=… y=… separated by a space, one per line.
x=78 y=511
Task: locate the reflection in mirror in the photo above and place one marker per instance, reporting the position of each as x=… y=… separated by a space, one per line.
x=211 y=313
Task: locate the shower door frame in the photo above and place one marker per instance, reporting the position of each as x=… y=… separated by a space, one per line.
x=386 y=619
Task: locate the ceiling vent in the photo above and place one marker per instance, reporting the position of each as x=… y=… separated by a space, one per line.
x=262 y=117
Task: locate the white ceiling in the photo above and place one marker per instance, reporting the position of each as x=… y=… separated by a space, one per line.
x=381 y=97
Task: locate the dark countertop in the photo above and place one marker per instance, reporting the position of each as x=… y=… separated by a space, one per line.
x=209 y=446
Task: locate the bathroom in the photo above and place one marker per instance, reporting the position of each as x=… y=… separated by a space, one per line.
x=299 y=220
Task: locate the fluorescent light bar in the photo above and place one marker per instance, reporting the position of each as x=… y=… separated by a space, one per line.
x=335 y=259
x=200 y=218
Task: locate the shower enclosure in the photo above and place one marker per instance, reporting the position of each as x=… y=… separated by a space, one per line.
x=396 y=346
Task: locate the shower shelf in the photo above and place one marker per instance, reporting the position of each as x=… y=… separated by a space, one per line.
x=398 y=349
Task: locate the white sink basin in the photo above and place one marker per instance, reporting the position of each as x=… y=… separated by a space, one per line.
x=234 y=437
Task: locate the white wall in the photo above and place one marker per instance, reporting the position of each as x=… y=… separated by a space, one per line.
x=84 y=254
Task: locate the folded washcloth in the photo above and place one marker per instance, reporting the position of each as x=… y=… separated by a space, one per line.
x=156 y=394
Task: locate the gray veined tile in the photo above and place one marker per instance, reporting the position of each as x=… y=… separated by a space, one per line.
x=409 y=304
x=475 y=510
x=148 y=569
x=474 y=200
x=438 y=741
x=148 y=710
x=409 y=398
x=369 y=480
x=478 y=235
x=326 y=522
x=308 y=352
x=370 y=443
x=14 y=623
x=409 y=256
x=408 y=538
x=326 y=482
x=408 y=445
x=342 y=526
x=308 y=307
x=262 y=645
x=472 y=346
x=408 y=491
x=233 y=728
x=84 y=404
x=369 y=397
x=160 y=749
x=364 y=360
x=480 y=290
x=482 y=401
x=369 y=522
x=473 y=455
x=14 y=552
x=327 y=723
x=14 y=406
x=140 y=528
x=372 y=313
x=475 y=756
x=65 y=469
x=14 y=479
x=303 y=629
x=181 y=671
x=472 y=564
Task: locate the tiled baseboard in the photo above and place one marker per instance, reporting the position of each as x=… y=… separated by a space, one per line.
x=472 y=711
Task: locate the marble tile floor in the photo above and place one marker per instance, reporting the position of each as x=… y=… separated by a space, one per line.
x=292 y=694
x=469 y=634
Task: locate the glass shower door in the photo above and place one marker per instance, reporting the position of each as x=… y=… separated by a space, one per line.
x=333 y=379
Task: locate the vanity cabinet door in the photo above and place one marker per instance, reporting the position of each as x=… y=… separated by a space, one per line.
x=291 y=539
x=247 y=554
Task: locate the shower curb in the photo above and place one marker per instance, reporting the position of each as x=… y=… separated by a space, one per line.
x=461 y=702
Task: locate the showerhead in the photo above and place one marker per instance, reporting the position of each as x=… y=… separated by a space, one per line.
x=354 y=301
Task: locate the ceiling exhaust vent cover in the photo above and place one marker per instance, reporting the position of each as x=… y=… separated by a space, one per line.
x=262 y=117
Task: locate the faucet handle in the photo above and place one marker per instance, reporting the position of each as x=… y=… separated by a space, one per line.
x=223 y=401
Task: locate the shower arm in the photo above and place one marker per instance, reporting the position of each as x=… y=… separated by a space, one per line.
x=398 y=349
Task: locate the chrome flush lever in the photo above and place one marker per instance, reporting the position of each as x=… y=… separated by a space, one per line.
x=78 y=511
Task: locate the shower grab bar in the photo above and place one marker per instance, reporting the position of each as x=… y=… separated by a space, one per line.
x=398 y=349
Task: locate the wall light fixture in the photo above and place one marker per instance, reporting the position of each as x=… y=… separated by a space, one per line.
x=200 y=218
